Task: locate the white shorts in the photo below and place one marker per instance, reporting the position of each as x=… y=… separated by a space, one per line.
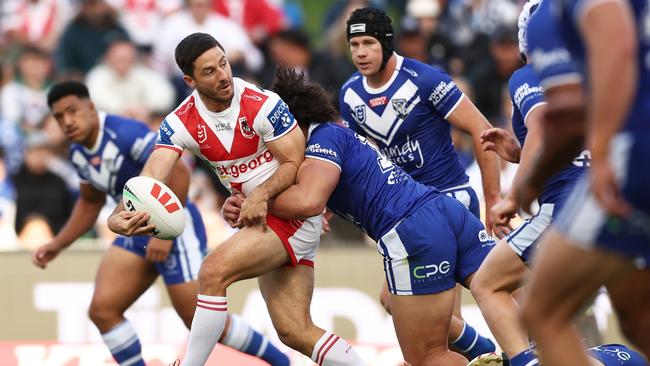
x=523 y=240
x=299 y=237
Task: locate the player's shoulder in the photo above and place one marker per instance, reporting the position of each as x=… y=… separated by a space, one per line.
x=123 y=124
x=353 y=80
x=521 y=76
x=421 y=73
x=254 y=96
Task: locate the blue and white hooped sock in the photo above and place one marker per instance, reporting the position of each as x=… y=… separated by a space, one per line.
x=124 y=345
x=472 y=343
x=243 y=337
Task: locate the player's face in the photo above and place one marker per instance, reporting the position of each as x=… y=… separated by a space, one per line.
x=366 y=54
x=75 y=116
x=213 y=76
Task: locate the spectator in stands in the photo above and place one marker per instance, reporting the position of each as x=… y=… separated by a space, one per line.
x=34 y=22
x=491 y=76
x=142 y=18
x=198 y=16
x=23 y=100
x=122 y=85
x=260 y=18
x=39 y=191
x=336 y=42
x=292 y=48
x=87 y=37
x=410 y=42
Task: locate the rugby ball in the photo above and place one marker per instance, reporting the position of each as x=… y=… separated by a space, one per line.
x=152 y=196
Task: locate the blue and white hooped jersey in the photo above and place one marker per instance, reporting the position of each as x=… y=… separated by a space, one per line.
x=526 y=94
x=122 y=147
x=372 y=192
x=569 y=14
x=407 y=120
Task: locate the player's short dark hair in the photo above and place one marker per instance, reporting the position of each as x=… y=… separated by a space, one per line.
x=191 y=47
x=65 y=88
x=308 y=102
x=295 y=37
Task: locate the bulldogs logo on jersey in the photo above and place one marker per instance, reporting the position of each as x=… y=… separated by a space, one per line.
x=399 y=105
x=245 y=128
x=360 y=114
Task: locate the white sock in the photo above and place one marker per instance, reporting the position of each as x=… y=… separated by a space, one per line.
x=207 y=326
x=330 y=350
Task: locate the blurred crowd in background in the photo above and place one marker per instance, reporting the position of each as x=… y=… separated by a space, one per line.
x=124 y=51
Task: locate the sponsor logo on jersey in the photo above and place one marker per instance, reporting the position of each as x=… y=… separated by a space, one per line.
x=410 y=71
x=430 y=270
x=245 y=128
x=165 y=133
x=485 y=239
x=280 y=116
x=374 y=102
x=543 y=59
x=254 y=97
x=222 y=126
x=399 y=105
x=317 y=149
x=360 y=114
x=525 y=90
x=408 y=152
x=235 y=170
x=95 y=160
x=185 y=108
x=441 y=91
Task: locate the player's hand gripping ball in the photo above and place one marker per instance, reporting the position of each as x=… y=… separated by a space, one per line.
x=164 y=208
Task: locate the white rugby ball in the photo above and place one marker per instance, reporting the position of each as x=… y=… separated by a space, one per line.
x=152 y=196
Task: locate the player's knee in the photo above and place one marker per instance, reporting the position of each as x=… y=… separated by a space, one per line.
x=103 y=316
x=214 y=274
x=480 y=287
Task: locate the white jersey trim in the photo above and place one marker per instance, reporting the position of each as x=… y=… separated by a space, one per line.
x=323 y=159
x=560 y=80
x=383 y=88
x=462 y=96
x=538 y=104
x=100 y=134
x=293 y=125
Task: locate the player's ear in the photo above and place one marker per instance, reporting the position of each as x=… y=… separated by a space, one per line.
x=189 y=81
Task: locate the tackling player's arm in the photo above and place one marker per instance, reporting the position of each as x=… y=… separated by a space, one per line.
x=610 y=36
x=508 y=207
x=159 y=165
x=83 y=217
x=289 y=150
x=468 y=118
x=316 y=181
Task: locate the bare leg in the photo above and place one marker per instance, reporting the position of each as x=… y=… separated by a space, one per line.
x=422 y=326
x=564 y=277
x=501 y=273
x=113 y=295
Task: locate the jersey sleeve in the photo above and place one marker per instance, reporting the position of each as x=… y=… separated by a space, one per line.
x=525 y=92
x=547 y=52
x=442 y=92
x=274 y=119
x=167 y=136
x=323 y=144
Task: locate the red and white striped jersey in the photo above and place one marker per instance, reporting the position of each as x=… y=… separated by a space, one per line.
x=233 y=142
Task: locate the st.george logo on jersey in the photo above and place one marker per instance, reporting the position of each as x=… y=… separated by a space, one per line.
x=245 y=128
